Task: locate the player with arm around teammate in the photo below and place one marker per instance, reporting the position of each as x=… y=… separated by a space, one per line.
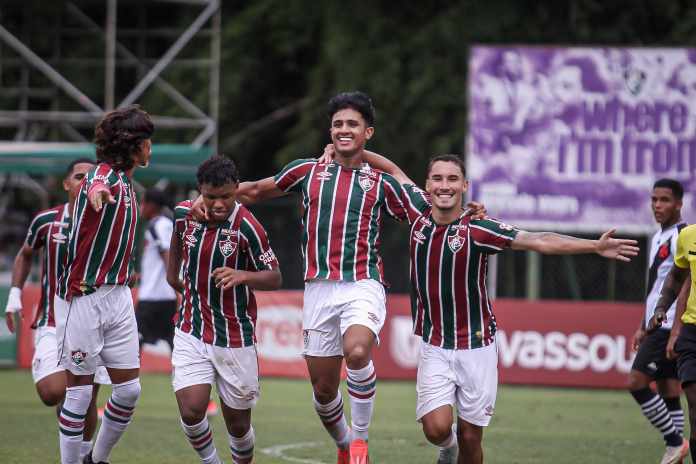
x=224 y=260
x=48 y=232
x=93 y=294
x=452 y=312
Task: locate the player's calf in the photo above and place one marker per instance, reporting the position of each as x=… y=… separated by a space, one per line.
x=469 y=439
x=117 y=416
x=242 y=447
x=71 y=422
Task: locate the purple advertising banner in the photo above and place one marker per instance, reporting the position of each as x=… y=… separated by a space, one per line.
x=572 y=139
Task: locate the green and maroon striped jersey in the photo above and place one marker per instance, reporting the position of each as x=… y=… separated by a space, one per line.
x=100 y=244
x=220 y=317
x=48 y=230
x=449 y=262
x=342 y=216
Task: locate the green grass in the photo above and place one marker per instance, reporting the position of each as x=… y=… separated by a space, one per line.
x=532 y=425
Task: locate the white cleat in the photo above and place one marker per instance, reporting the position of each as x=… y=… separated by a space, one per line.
x=675 y=454
x=448 y=455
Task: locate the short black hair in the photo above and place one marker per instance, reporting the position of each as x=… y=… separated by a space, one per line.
x=675 y=186
x=359 y=101
x=75 y=162
x=156 y=197
x=217 y=171
x=456 y=159
x=119 y=135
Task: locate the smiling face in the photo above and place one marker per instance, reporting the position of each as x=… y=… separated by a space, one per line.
x=71 y=183
x=446 y=185
x=665 y=206
x=219 y=201
x=349 y=132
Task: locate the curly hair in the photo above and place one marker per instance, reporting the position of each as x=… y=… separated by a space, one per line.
x=217 y=171
x=119 y=135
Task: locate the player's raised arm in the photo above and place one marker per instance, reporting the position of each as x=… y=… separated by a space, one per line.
x=20 y=272
x=552 y=243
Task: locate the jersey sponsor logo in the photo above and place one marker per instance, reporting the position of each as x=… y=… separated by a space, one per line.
x=78 y=356
x=267 y=257
x=324 y=175
x=419 y=237
x=127 y=201
x=102 y=178
x=366 y=183
x=227 y=247
x=60 y=224
x=190 y=240
x=455 y=242
x=228 y=232
x=504 y=226
x=426 y=222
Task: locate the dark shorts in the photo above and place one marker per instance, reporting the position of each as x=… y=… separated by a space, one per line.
x=686 y=349
x=651 y=358
x=155 y=320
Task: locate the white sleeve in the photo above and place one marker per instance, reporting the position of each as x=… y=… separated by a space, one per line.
x=164 y=228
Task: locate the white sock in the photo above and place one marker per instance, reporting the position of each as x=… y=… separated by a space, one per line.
x=85 y=448
x=201 y=438
x=451 y=441
x=362 y=385
x=242 y=448
x=71 y=422
x=331 y=415
x=117 y=415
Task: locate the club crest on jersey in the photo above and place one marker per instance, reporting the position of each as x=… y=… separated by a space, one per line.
x=455 y=242
x=227 y=247
x=324 y=175
x=78 y=356
x=366 y=183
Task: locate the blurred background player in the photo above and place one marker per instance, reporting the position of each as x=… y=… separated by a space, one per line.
x=224 y=260
x=48 y=231
x=93 y=296
x=663 y=409
x=156 y=299
x=458 y=360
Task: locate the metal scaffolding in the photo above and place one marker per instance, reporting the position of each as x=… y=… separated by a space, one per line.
x=45 y=96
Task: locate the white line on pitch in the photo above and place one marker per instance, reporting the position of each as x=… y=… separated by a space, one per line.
x=278 y=451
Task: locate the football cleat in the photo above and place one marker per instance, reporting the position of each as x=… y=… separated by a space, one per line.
x=358 y=452
x=675 y=454
x=88 y=459
x=343 y=456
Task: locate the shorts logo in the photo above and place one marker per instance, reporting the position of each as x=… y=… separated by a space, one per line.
x=373 y=317
x=227 y=247
x=366 y=183
x=489 y=411
x=305 y=338
x=78 y=356
x=455 y=242
x=652 y=366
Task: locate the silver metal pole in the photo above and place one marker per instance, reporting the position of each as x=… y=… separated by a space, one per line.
x=51 y=73
x=110 y=55
x=172 y=52
x=214 y=88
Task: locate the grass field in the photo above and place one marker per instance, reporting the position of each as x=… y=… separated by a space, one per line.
x=531 y=425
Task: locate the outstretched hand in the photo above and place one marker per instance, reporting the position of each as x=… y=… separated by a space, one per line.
x=99 y=195
x=476 y=210
x=198 y=210
x=616 y=248
x=328 y=155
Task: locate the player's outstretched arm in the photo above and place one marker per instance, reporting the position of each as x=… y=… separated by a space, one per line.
x=670 y=291
x=226 y=278
x=174 y=264
x=551 y=243
x=20 y=272
x=258 y=190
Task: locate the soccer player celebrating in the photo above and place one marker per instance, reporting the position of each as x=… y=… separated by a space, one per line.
x=93 y=295
x=452 y=313
x=224 y=259
x=344 y=300
x=48 y=231
x=663 y=410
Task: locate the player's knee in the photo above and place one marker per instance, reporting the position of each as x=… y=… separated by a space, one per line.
x=469 y=439
x=637 y=381
x=51 y=397
x=357 y=356
x=436 y=432
x=128 y=392
x=192 y=415
x=324 y=392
